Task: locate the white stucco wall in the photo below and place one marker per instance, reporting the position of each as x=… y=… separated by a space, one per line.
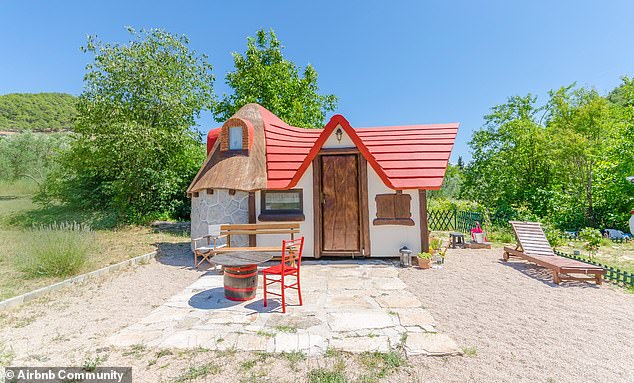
x=385 y=240
x=306 y=227
x=332 y=141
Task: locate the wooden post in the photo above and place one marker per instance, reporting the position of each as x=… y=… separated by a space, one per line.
x=317 y=207
x=424 y=225
x=252 y=238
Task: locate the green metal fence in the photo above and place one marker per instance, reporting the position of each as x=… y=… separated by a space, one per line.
x=453 y=220
x=617 y=276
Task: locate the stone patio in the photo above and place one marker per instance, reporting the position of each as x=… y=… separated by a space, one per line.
x=353 y=306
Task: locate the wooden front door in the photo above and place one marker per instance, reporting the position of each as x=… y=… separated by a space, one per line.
x=341 y=234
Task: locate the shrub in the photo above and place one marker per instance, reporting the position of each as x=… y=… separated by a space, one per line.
x=441 y=203
x=592 y=238
x=554 y=235
x=500 y=234
x=30 y=155
x=56 y=250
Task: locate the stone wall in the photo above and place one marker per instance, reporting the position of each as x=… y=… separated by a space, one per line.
x=220 y=208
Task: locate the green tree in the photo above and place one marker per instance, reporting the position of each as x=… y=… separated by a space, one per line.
x=510 y=167
x=451 y=184
x=264 y=76
x=615 y=195
x=565 y=162
x=580 y=131
x=37 y=112
x=460 y=163
x=133 y=149
x=30 y=155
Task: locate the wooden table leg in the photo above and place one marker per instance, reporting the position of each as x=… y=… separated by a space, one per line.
x=556 y=279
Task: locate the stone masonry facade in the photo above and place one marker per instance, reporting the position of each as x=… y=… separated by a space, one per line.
x=221 y=207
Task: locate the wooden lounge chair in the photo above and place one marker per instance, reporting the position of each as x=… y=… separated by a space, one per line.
x=533 y=246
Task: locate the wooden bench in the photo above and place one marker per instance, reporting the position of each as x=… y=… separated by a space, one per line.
x=252 y=230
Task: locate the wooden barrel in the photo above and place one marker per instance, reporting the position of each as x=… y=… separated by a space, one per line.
x=241 y=282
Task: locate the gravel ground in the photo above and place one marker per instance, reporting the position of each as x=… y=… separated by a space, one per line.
x=522 y=327
x=514 y=325
x=69 y=326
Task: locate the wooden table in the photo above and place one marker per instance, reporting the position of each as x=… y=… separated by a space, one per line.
x=241 y=273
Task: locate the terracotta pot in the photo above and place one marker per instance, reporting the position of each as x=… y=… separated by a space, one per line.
x=424 y=263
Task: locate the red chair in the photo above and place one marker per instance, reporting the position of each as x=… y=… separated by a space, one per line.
x=292 y=251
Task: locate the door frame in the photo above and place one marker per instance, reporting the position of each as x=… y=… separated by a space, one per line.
x=364 y=226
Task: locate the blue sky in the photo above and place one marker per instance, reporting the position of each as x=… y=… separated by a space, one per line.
x=390 y=62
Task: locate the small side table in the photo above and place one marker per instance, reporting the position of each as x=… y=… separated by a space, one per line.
x=456 y=240
x=241 y=272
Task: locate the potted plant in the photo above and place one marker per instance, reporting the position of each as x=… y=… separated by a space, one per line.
x=441 y=255
x=435 y=244
x=424 y=260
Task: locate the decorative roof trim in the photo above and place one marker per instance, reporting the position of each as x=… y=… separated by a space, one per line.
x=339 y=120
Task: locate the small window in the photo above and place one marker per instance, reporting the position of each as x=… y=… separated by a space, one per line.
x=235 y=138
x=282 y=205
x=393 y=209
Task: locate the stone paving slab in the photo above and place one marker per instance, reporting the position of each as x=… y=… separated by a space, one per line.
x=431 y=344
x=353 y=306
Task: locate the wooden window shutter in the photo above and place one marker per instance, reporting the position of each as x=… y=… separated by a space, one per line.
x=393 y=209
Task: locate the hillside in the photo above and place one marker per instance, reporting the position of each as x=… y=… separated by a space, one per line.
x=37 y=111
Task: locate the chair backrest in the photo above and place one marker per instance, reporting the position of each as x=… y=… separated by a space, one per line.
x=214 y=230
x=531 y=237
x=292 y=251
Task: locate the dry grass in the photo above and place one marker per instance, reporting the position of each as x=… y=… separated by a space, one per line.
x=617 y=255
x=114 y=246
x=18 y=213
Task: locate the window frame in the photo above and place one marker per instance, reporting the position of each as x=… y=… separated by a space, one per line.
x=235 y=128
x=281 y=214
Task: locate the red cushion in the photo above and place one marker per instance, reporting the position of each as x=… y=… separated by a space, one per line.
x=277 y=269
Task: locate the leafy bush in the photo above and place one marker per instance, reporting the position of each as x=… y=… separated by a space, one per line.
x=592 y=238
x=442 y=203
x=501 y=234
x=554 y=235
x=30 y=155
x=524 y=213
x=56 y=250
x=606 y=242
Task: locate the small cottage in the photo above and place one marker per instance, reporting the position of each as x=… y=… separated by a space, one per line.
x=356 y=192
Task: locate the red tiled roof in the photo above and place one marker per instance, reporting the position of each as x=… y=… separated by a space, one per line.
x=404 y=157
x=212 y=137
